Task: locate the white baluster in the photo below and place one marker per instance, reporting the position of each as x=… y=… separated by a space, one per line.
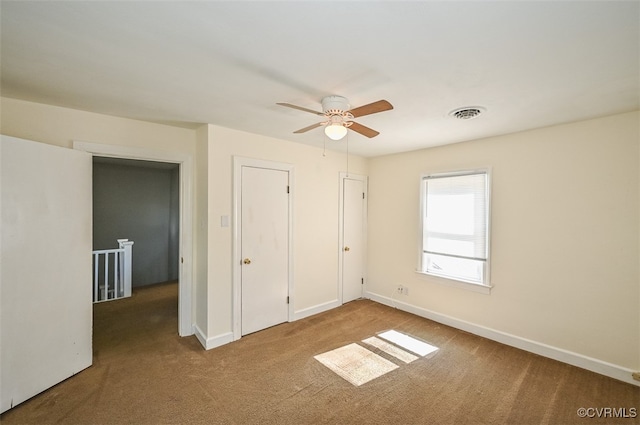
x=96 y=293
x=106 y=276
x=116 y=275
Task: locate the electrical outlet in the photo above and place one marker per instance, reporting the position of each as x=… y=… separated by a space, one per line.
x=400 y=289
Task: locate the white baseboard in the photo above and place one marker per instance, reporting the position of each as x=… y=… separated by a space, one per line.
x=214 y=341
x=604 y=368
x=225 y=338
x=310 y=311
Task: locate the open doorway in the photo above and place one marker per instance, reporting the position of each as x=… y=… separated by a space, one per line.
x=139 y=201
x=185 y=255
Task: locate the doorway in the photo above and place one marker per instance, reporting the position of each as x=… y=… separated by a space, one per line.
x=139 y=201
x=262 y=281
x=184 y=161
x=353 y=214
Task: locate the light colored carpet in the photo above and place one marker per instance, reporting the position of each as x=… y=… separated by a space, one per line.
x=408 y=342
x=143 y=373
x=390 y=349
x=356 y=364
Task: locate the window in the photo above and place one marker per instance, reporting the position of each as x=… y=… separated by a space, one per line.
x=455 y=226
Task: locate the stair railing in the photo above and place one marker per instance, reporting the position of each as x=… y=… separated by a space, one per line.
x=112 y=272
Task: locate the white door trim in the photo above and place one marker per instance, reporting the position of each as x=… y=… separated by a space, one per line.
x=238 y=163
x=365 y=187
x=185 y=303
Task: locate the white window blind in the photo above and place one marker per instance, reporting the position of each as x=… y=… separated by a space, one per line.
x=455 y=226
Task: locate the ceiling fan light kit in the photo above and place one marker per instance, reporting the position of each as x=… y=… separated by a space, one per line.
x=339 y=116
x=336 y=127
x=335 y=131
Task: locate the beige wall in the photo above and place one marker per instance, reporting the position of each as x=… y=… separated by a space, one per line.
x=213 y=148
x=315 y=217
x=564 y=235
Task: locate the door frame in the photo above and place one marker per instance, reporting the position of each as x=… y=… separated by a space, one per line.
x=365 y=188
x=185 y=162
x=238 y=163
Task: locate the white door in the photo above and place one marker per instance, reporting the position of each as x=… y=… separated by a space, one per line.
x=45 y=267
x=353 y=237
x=264 y=248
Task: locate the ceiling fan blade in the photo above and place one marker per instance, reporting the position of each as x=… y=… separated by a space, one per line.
x=365 y=131
x=371 y=108
x=311 y=127
x=300 y=108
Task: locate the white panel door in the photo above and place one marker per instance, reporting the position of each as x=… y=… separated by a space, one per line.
x=264 y=248
x=45 y=267
x=353 y=249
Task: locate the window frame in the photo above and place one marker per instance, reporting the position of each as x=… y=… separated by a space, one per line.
x=484 y=287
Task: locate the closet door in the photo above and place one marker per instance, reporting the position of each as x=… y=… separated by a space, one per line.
x=353 y=237
x=265 y=248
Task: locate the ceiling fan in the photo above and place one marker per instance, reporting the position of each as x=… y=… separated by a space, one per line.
x=339 y=118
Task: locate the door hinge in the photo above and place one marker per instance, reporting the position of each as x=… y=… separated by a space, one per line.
x=287 y=189
x=362 y=281
x=362 y=195
x=287 y=299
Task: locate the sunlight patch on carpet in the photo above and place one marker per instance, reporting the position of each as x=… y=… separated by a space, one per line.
x=355 y=364
x=390 y=349
x=408 y=343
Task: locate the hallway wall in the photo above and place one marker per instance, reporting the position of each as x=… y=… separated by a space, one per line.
x=136 y=200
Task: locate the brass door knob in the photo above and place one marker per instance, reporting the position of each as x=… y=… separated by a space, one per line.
x=346 y=248
x=246 y=261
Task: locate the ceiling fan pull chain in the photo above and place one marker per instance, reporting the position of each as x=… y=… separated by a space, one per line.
x=324 y=146
x=347 y=155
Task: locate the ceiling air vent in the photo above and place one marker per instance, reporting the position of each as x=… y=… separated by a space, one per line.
x=467 y=113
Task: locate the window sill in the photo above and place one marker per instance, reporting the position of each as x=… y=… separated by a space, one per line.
x=461 y=284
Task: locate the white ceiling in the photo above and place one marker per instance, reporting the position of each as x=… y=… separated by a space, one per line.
x=530 y=64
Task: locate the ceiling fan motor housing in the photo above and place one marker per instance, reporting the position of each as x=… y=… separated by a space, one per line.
x=335 y=105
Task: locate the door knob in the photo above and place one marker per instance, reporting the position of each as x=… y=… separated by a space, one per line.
x=246 y=261
x=346 y=248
